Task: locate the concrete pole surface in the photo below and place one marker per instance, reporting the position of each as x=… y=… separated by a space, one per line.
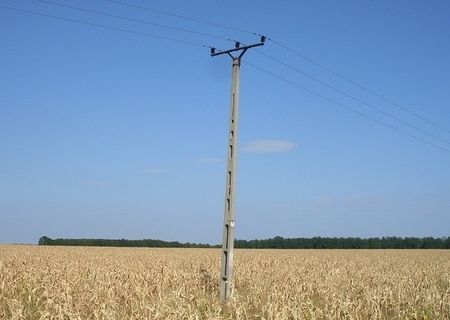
x=230 y=189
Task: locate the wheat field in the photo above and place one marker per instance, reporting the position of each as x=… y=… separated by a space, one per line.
x=38 y=282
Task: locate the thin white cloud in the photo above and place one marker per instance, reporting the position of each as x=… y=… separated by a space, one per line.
x=96 y=183
x=269 y=146
x=209 y=160
x=156 y=170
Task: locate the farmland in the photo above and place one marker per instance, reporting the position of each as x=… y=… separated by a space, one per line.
x=142 y=283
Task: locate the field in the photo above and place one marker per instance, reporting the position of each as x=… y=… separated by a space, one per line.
x=131 y=283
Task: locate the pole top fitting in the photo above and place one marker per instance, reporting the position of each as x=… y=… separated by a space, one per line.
x=236 y=49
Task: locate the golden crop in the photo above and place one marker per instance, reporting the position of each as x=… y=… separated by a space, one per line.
x=131 y=283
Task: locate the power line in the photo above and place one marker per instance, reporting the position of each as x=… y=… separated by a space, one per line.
x=206 y=46
x=106 y=27
x=348 y=108
x=405 y=109
x=353 y=97
x=359 y=85
x=136 y=20
x=215 y=24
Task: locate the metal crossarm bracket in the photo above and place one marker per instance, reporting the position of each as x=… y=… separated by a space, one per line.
x=243 y=49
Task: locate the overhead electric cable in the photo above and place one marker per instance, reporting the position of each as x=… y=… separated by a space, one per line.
x=387 y=114
x=206 y=46
x=107 y=27
x=337 y=74
x=136 y=20
x=347 y=107
x=215 y=24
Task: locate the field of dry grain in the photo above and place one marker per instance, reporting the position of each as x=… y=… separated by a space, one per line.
x=131 y=283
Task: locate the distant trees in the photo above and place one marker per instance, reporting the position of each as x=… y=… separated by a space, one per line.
x=347 y=243
x=273 y=243
x=118 y=243
x=45 y=240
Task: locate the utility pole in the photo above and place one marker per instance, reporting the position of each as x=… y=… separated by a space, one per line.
x=226 y=272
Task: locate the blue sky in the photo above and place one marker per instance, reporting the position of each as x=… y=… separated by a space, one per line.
x=106 y=134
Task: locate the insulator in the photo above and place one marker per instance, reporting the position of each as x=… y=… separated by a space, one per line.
x=213 y=50
x=263 y=39
x=238 y=44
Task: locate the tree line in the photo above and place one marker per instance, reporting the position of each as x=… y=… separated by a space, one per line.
x=273 y=243
x=347 y=243
x=119 y=243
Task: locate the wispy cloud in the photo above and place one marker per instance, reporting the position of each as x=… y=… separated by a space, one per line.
x=269 y=146
x=95 y=183
x=347 y=200
x=155 y=170
x=209 y=160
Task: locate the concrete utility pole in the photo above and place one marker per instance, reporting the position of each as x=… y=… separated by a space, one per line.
x=226 y=272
